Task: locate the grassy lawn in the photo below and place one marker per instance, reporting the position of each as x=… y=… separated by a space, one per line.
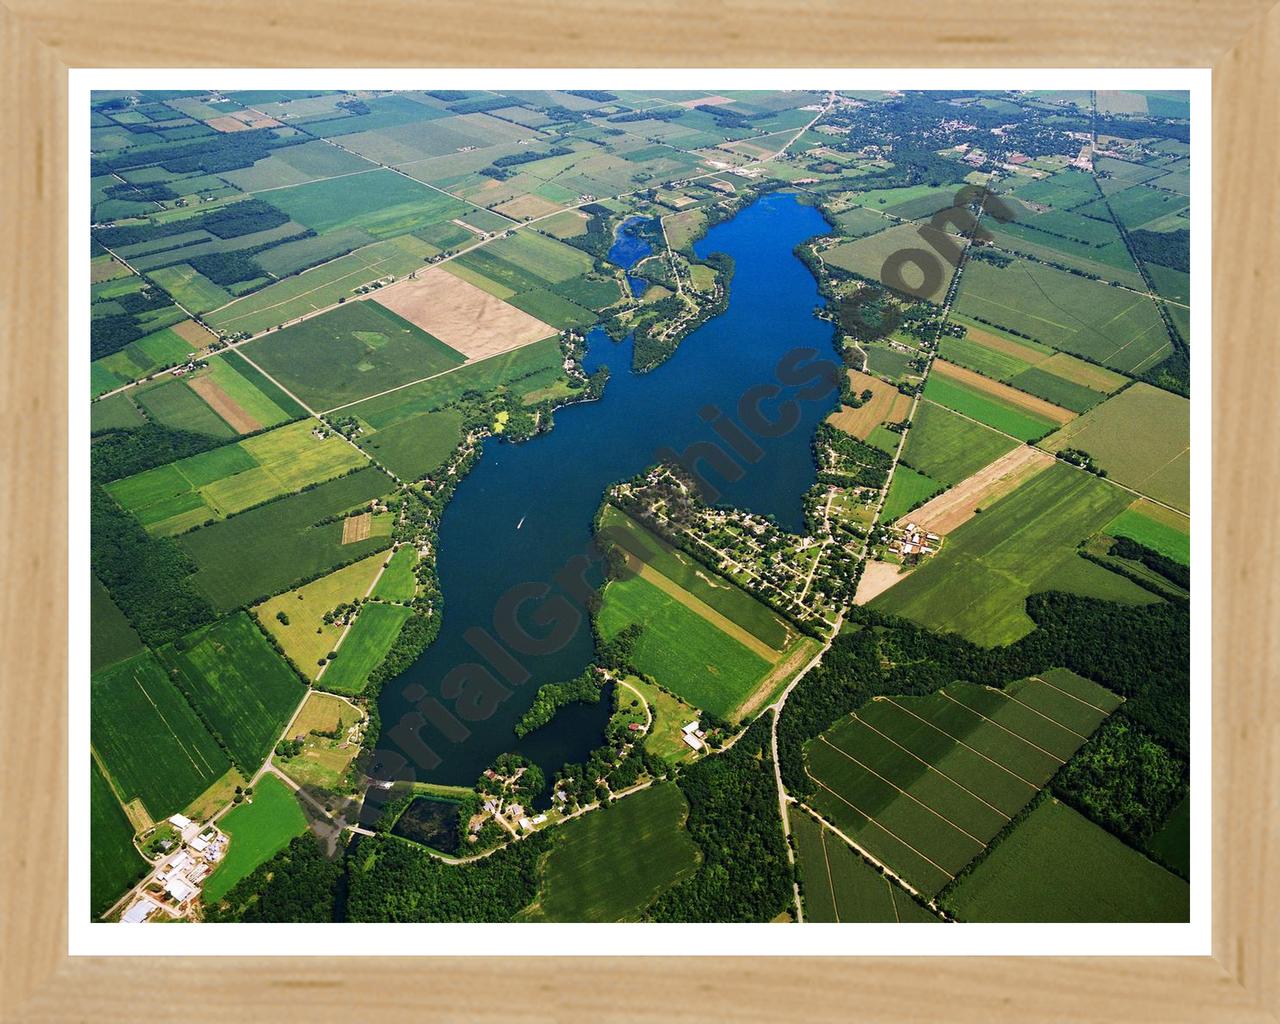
x=1058 y=866
x=670 y=714
x=258 y=831
x=608 y=865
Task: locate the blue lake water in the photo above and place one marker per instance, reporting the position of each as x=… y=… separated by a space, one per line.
x=526 y=509
x=629 y=248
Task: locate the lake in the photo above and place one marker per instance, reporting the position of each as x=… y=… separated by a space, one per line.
x=629 y=248
x=526 y=509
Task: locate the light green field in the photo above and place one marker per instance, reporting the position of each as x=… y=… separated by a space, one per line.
x=1142 y=438
x=375 y=630
x=139 y=359
x=173 y=404
x=988 y=409
x=866 y=257
x=191 y=288
x=321 y=286
x=380 y=202
x=664 y=738
x=907 y=489
x=244 y=393
x=398 y=582
x=217 y=483
x=1023 y=544
x=679 y=648
x=948 y=447
x=258 y=831
x=707 y=586
x=608 y=865
x=1165 y=537
x=308 y=638
x=349 y=353
x=1057 y=866
x=237 y=682
x=417 y=446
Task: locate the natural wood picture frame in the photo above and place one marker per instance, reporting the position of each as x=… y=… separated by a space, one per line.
x=1240 y=40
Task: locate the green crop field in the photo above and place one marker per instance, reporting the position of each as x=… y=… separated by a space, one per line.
x=221 y=482
x=114 y=862
x=350 y=353
x=374 y=631
x=149 y=739
x=398 y=582
x=948 y=447
x=111 y=637
x=1110 y=325
x=139 y=359
x=417 y=446
x=268 y=549
x=866 y=257
x=907 y=489
x=610 y=865
x=1023 y=544
x=923 y=784
x=237 y=682
x=679 y=648
x=1058 y=866
x=725 y=597
x=1062 y=191
x=1057 y=390
x=258 y=831
x=381 y=202
x=195 y=291
x=979 y=357
x=175 y=405
x=1164 y=537
x=840 y=887
x=988 y=409
x=1142 y=438
x=322 y=286
x=306 y=638
x=245 y=386
x=510 y=369
x=543 y=257
x=115 y=413
x=1173 y=842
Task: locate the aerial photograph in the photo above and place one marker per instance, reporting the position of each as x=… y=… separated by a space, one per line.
x=597 y=505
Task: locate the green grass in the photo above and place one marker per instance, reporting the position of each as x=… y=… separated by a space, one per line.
x=149 y=739
x=268 y=388
x=1088 y=318
x=680 y=649
x=350 y=353
x=543 y=257
x=111 y=637
x=976 y=356
x=1055 y=389
x=239 y=685
x=1057 y=866
x=838 y=886
x=1142 y=438
x=397 y=582
x=1173 y=842
x=258 y=831
x=380 y=202
x=245 y=393
x=374 y=631
x=709 y=587
x=417 y=446
x=608 y=865
x=114 y=862
x=269 y=549
x=866 y=257
x=1064 y=190
x=173 y=404
x=508 y=369
x=1170 y=542
x=948 y=447
x=978 y=583
x=994 y=412
x=907 y=489
x=885 y=439
x=553 y=309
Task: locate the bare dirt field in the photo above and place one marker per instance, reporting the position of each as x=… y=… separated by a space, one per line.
x=877 y=577
x=887 y=404
x=224 y=405
x=227 y=123
x=356 y=528
x=956 y=506
x=191 y=331
x=706 y=101
x=1004 y=392
x=470 y=227
x=999 y=344
x=528 y=207
x=464 y=317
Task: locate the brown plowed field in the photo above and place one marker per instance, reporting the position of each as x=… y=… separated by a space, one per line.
x=887 y=404
x=223 y=404
x=954 y=507
x=1003 y=392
